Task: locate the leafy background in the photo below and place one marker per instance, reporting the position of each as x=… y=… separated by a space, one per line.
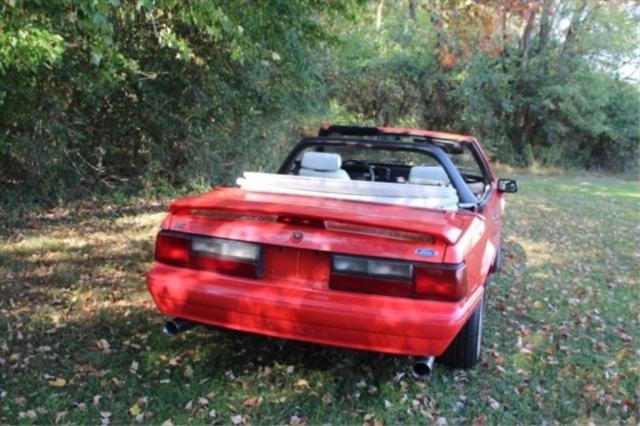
x=122 y=97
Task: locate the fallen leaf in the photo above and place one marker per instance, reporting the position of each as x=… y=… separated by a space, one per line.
x=482 y=420
x=20 y=400
x=495 y=405
x=295 y=421
x=167 y=422
x=398 y=378
x=440 y=421
x=135 y=409
x=103 y=345
x=302 y=383
x=252 y=402
x=59 y=417
x=31 y=415
x=188 y=372
x=621 y=355
x=59 y=382
x=213 y=414
x=327 y=399
x=237 y=419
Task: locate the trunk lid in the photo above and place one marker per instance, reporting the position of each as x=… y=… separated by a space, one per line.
x=445 y=225
x=322 y=225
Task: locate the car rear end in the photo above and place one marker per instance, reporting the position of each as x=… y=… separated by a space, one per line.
x=342 y=273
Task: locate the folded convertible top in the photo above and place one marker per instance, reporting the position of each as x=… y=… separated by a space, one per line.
x=405 y=194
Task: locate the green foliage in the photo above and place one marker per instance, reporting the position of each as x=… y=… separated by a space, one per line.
x=551 y=97
x=99 y=96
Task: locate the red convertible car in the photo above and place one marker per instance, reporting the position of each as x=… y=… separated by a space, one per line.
x=371 y=238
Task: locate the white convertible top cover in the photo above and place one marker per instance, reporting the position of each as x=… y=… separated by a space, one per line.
x=406 y=194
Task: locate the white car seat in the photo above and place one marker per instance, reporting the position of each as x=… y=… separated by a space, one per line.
x=322 y=164
x=429 y=175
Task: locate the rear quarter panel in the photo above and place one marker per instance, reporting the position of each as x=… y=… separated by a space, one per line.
x=480 y=243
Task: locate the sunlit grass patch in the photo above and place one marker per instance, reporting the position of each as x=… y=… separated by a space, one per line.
x=82 y=341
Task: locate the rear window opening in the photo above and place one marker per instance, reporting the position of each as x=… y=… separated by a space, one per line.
x=389 y=165
x=367 y=164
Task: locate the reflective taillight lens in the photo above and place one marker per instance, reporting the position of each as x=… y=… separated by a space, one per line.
x=374 y=267
x=218 y=247
x=398 y=278
x=374 y=276
x=172 y=248
x=208 y=253
x=444 y=282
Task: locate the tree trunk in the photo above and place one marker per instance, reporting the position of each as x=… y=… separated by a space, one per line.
x=525 y=41
x=379 y=9
x=543 y=35
x=412 y=10
x=574 y=27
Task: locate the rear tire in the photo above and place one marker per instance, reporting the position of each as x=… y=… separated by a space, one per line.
x=497 y=262
x=465 y=350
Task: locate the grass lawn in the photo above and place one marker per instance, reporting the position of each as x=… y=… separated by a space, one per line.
x=81 y=341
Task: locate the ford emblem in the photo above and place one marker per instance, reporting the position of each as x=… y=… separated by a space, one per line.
x=426 y=252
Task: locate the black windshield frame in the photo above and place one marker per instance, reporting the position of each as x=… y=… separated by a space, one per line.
x=465 y=196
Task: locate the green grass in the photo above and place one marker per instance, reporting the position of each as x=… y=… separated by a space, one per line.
x=561 y=337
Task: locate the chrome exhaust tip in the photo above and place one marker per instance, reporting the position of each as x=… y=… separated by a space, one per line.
x=423 y=367
x=176 y=326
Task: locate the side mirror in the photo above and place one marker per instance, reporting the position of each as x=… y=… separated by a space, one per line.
x=507 y=185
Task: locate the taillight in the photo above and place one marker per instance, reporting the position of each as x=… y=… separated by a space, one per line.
x=172 y=248
x=382 y=268
x=375 y=276
x=226 y=256
x=438 y=281
x=209 y=253
x=398 y=278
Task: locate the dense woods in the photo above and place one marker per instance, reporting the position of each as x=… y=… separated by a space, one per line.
x=100 y=96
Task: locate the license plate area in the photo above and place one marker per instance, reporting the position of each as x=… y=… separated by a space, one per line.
x=296 y=264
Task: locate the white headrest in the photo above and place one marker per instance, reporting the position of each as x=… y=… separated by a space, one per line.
x=324 y=161
x=429 y=175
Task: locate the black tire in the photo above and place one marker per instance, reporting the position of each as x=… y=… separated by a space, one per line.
x=465 y=350
x=497 y=262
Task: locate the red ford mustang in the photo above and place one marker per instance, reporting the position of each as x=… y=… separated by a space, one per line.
x=371 y=238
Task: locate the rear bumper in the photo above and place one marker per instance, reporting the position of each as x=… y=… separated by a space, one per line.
x=311 y=314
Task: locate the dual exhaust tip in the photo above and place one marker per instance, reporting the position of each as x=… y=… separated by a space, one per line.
x=421 y=368
x=177 y=325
